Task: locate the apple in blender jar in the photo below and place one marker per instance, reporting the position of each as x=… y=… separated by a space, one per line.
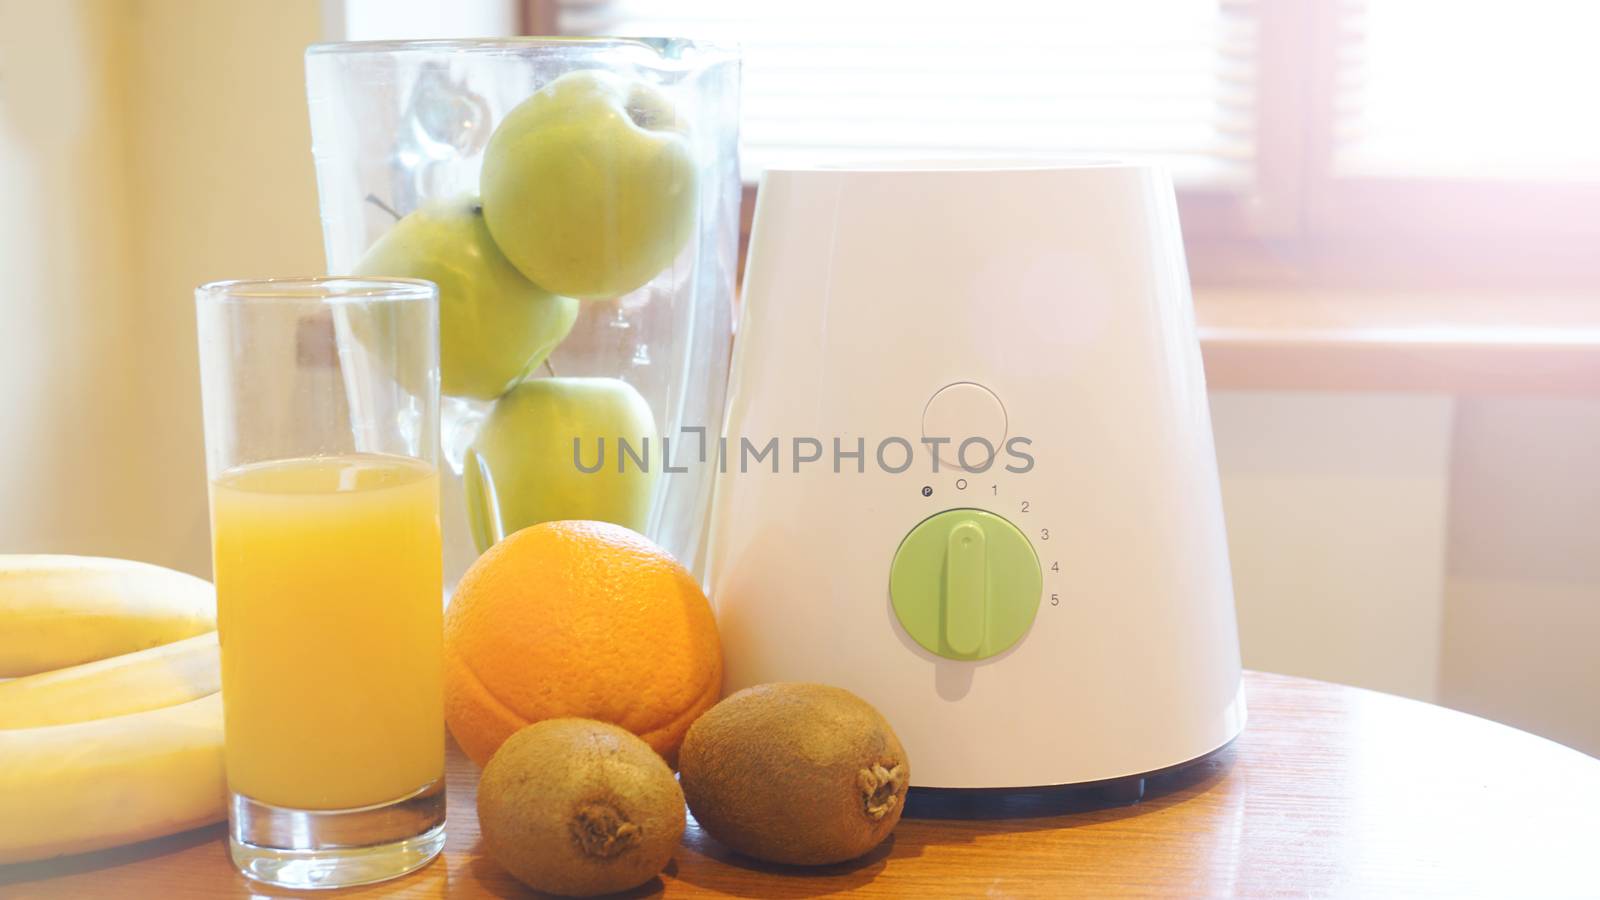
x=589 y=185
x=527 y=464
x=495 y=326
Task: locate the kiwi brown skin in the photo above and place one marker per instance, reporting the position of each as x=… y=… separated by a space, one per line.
x=579 y=808
x=795 y=773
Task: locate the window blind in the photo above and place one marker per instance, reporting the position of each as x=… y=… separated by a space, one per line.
x=827 y=80
x=1495 y=89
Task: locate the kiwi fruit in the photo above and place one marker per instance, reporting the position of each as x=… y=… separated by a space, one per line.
x=795 y=773
x=579 y=808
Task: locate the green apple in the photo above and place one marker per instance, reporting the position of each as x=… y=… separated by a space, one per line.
x=495 y=326
x=589 y=185
x=522 y=468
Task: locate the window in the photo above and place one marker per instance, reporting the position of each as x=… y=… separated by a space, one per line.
x=1398 y=142
x=1437 y=88
x=1168 y=80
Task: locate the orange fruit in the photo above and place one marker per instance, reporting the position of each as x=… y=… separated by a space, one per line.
x=578 y=620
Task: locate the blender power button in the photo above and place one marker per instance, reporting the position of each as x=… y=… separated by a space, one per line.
x=960 y=411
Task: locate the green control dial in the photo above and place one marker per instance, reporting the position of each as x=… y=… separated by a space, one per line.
x=965 y=584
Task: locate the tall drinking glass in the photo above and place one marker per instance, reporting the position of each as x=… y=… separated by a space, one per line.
x=322 y=427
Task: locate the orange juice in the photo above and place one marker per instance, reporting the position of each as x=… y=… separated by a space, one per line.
x=330 y=612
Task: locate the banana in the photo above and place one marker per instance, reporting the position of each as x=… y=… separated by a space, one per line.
x=89 y=785
x=58 y=611
x=133 y=682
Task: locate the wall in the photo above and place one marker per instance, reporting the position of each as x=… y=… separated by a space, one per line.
x=1443 y=549
x=69 y=385
x=1336 y=525
x=1522 y=623
x=145 y=147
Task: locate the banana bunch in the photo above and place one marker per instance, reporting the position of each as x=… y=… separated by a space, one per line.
x=113 y=731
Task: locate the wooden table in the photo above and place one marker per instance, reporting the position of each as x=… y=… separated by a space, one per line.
x=1330 y=791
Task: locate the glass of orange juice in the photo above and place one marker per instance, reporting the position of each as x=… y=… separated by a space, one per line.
x=322 y=427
